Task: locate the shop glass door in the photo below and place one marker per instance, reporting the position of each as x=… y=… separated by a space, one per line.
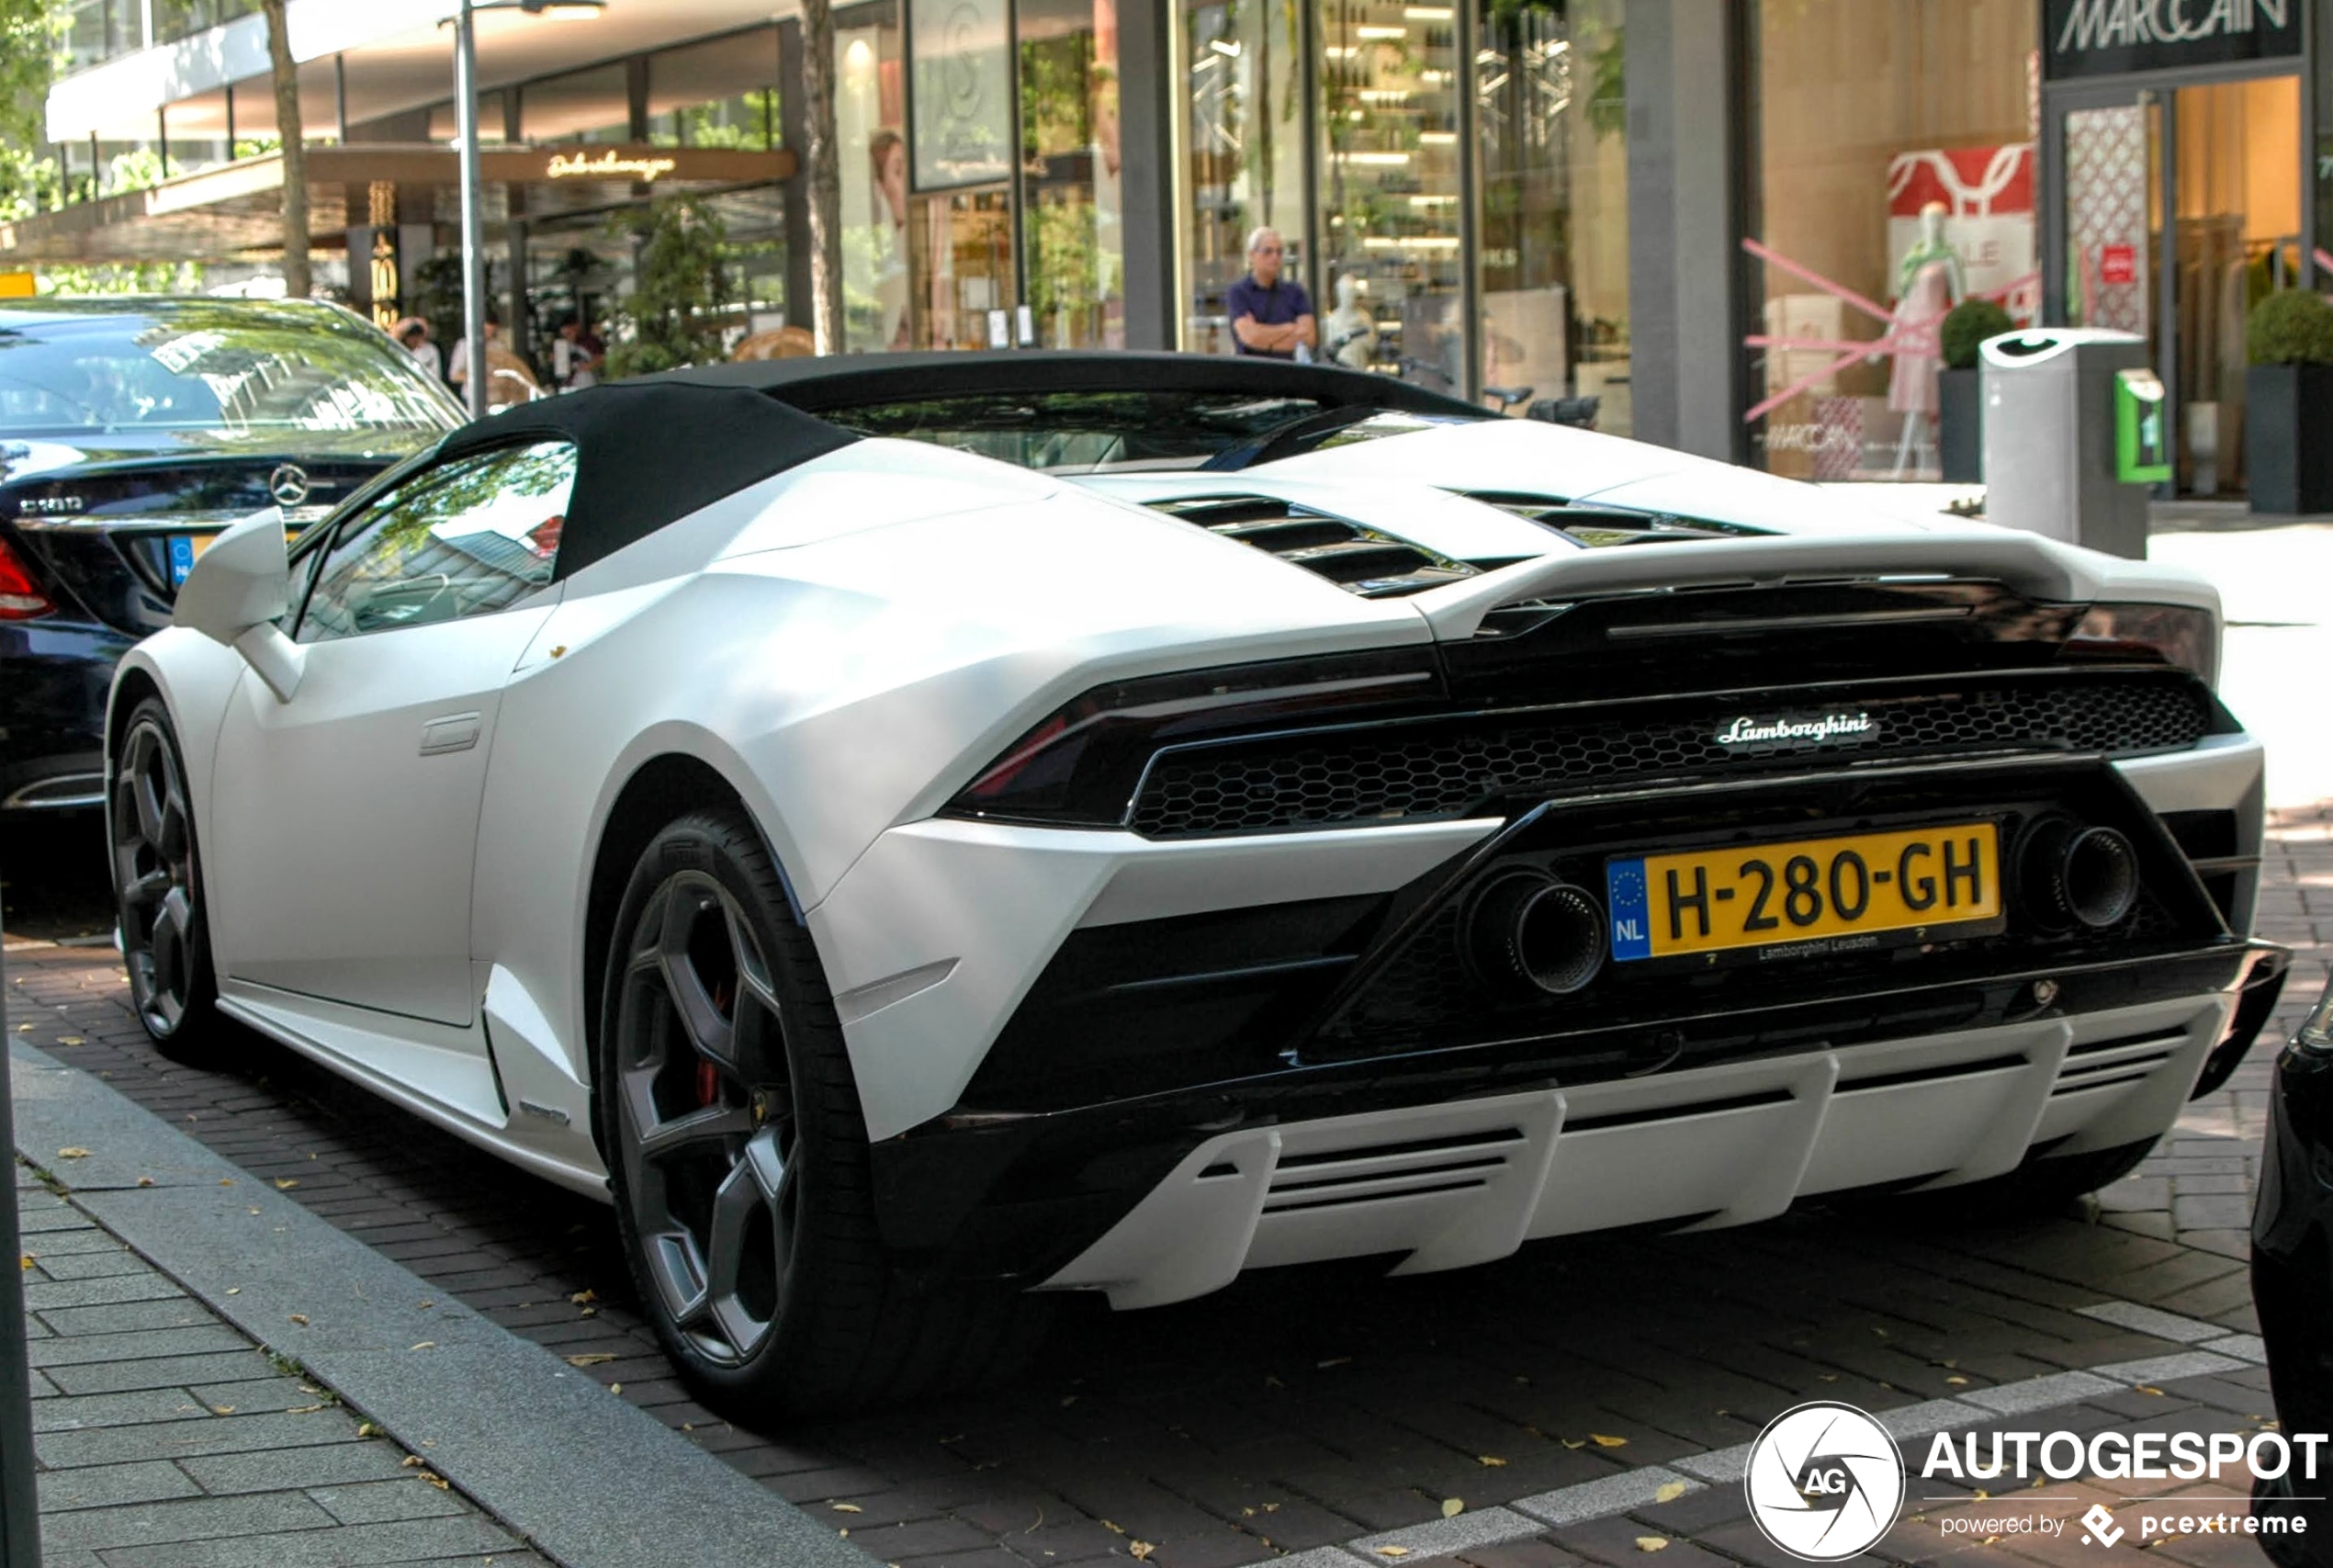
x=2236 y=228
x=2220 y=165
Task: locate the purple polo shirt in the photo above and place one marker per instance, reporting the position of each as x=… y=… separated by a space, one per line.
x=1274 y=307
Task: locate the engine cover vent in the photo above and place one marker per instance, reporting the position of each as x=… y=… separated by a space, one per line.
x=1358 y=558
x=1600 y=526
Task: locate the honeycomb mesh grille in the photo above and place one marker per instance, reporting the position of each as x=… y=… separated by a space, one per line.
x=1446 y=768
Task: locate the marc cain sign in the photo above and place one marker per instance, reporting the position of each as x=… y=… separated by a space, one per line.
x=2099 y=37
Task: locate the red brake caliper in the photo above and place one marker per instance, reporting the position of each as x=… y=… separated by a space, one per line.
x=708 y=1077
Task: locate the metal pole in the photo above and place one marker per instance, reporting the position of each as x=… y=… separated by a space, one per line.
x=473 y=250
x=19 y=1510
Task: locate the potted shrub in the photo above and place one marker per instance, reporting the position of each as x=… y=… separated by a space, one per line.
x=1960 y=403
x=2288 y=403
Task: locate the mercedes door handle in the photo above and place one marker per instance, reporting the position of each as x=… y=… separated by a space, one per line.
x=454 y=732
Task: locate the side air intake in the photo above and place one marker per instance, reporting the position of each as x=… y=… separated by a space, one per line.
x=1363 y=560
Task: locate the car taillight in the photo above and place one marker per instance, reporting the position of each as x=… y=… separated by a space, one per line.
x=20 y=596
x=1080 y=764
x=2176 y=634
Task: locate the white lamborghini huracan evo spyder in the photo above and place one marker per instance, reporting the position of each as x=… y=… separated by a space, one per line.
x=923 y=830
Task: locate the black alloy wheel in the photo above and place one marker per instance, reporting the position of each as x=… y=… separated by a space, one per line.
x=165 y=944
x=708 y=1128
x=738 y=1153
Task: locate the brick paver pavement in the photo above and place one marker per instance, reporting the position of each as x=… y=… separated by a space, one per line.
x=1303 y=1408
x=167 y=1439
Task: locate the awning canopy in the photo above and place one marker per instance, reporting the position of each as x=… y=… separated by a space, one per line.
x=234 y=212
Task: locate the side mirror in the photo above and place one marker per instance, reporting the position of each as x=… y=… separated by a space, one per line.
x=239 y=587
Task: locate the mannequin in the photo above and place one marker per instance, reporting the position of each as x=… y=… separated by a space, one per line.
x=1928 y=284
x=1350 y=331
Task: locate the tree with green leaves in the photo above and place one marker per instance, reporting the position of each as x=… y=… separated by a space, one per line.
x=31 y=34
x=825 y=176
x=669 y=320
x=296 y=282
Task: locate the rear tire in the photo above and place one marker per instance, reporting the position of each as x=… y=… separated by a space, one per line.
x=738 y=1153
x=2037 y=1189
x=157 y=885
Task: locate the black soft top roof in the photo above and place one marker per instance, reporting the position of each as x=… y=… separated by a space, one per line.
x=650 y=451
x=854 y=380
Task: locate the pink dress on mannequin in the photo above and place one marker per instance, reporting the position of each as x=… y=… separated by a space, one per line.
x=1912 y=383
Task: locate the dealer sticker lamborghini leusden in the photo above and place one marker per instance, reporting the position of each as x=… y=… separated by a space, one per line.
x=1811 y=894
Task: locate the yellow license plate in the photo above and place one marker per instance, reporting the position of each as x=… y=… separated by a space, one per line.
x=1832 y=892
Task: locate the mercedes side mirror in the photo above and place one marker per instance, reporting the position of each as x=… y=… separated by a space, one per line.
x=239 y=588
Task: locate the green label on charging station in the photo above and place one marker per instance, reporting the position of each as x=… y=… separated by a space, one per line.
x=2142 y=454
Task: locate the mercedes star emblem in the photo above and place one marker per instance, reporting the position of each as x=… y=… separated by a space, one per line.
x=288 y=484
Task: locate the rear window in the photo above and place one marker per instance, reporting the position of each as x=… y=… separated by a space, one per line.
x=1084 y=432
x=232 y=367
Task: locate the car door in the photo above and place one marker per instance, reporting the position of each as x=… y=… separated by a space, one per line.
x=346 y=819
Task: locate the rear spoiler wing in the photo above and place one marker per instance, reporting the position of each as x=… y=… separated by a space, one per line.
x=2026 y=563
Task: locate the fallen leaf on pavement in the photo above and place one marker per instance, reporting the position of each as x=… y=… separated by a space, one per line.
x=234 y=1290
x=222 y=1410
x=1140 y=1551
x=1573 y=1443
x=26 y=1261
x=845 y=1507
x=1392 y=1551
x=1490 y=1462
x=1602 y=1441
x=412 y=1462
x=302 y=1409
x=1453 y=1506
x=287 y=1183
x=583 y=1298
x=73 y=1154
x=1955 y=1380
x=437 y=1480
x=1651 y=1542
x=590 y=1358
x=1670 y=1492
x=426 y=1344
x=616 y=1388
x=145 y=1181
x=301 y=1318
x=366 y=1429
x=1112 y=1529
x=68 y=1039
x=2145 y=1388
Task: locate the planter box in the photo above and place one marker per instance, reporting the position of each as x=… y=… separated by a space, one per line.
x=1960 y=426
x=2288 y=437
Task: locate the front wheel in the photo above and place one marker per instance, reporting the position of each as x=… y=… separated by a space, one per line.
x=165 y=935
x=738 y=1156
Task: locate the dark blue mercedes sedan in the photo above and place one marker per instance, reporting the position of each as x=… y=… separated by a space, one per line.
x=131 y=431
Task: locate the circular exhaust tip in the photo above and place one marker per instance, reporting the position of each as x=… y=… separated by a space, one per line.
x=1532 y=933
x=2076 y=875
x=2100 y=871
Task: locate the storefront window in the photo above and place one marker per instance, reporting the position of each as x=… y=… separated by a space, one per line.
x=175 y=20
x=960 y=257
x=1389 y=182
x=721 y=92
x=1551 y=101
x=1244 y=149
x=1070 y=177
x=1895 y=143
x=870 y=114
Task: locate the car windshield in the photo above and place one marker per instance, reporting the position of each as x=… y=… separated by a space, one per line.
x=229 y=367
x=1084 y=432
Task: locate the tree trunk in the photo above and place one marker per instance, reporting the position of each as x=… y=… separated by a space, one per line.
x=296 y=282
x=824 y=172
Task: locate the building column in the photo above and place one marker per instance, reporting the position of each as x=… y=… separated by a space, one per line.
x=1145 y=174
x=1684 y=317
x=793 y=132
